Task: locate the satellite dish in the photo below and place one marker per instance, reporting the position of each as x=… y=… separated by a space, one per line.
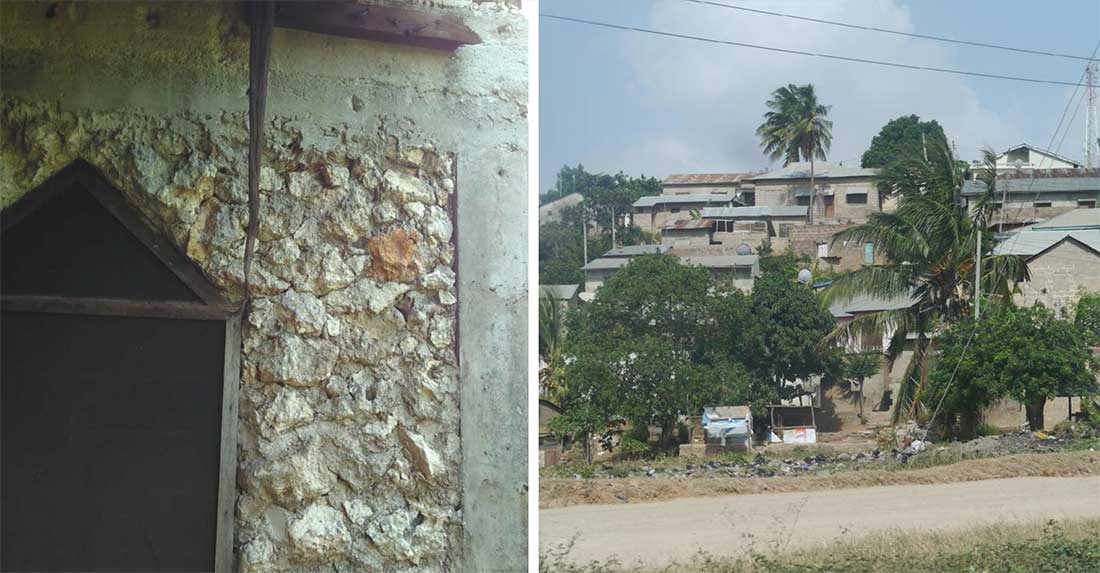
x=1018 y=163
x=805 y=276
x=744 y=249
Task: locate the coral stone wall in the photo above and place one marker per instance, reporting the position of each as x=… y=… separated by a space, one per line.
x=351 y=411
x=349 y=396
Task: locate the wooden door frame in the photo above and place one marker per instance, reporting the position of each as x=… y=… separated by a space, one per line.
x=214 y=307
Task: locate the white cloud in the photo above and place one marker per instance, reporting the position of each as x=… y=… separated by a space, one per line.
x=713 y=96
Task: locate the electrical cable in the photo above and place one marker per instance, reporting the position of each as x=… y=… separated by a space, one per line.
x=888 y=31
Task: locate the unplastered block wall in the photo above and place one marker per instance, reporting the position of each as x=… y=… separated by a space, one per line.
x=357 y=401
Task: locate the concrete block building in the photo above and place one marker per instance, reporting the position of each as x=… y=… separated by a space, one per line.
x=1026 y=196
x=1062 y=256
x=848 y=194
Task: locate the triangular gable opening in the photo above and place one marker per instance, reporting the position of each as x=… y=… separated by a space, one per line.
x=76 y=239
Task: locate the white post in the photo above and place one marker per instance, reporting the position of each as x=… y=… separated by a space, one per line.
x=612 y=226
x=978 y=277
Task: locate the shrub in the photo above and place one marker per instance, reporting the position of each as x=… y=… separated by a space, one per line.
x=1088 y=318
x=639 y=432
x=987 y=429
x=632 y=448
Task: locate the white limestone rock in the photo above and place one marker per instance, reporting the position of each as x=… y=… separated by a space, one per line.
x=288 y=410
x=402 y=188
x=320 y=532
x=366 y=294
x=296 y=361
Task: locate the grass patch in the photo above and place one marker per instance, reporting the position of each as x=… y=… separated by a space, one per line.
x=1069 y=547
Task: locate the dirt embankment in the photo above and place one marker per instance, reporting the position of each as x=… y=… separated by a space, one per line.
x=562 y=492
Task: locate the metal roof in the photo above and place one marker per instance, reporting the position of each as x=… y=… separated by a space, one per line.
x=801 y=170
x=1081 y=225
x=637 y=250
x=754 y=212
x=721 y=261
x=708 y=261
x=868 y=303
x=704 y=198
x=1025 y=185
x=685 y=224
x=558 y=292
x=608 y=263
x=1077 y=219
x=1040 y=150
x=706 y=178
x=1029 y=243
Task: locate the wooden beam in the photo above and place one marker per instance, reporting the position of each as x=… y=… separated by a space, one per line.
x=227 y=478
x=378 y=23
x=116 y=307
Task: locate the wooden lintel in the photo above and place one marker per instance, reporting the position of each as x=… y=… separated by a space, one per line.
x=116 y=307
x=378 y=23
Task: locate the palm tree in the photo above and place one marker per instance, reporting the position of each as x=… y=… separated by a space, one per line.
x=929 y=243
x=795 y=129
x=551 y=329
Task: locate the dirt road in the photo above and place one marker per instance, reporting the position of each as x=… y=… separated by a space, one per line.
x=661 y=532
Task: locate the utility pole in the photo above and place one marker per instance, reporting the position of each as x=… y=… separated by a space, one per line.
x=978 y=277
x=1092 y=119
x=924 y=146
x=584 y=232
x=612 y=226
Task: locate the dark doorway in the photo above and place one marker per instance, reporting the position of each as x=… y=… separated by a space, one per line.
x=117 y=359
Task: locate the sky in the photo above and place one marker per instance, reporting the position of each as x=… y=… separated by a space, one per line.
x=650 y=105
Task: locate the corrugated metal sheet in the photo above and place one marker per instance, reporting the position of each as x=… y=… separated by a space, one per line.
x=637 y=250
x=558 y=292
x=868 y=303
x=1082 y=225
x=821 y=170
x=704 y=198
x=754 y=212
x=721 y=261
x=686 y=224
x=1030 y=243
x=609 y=263
x=1035 y=185
x=707 y=178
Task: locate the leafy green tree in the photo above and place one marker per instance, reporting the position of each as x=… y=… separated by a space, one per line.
x=929 y=243
x=1087 y=318
x=903 y=136
x=795 y=129
x=644 y=351
x=1023 y=353
x=859 y=366
x=792 y=323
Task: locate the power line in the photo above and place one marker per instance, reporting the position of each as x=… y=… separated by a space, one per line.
x=1053 y=137
x=887 y=31
x=802 y=53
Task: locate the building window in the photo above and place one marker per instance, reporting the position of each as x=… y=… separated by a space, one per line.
x=674 y=210
x=857 y=198
x=748 y=198
x=802 y=200
x=742 y=273
x=822 y=250
x=1087 y=203
x=1042 y=203
x=785 y=229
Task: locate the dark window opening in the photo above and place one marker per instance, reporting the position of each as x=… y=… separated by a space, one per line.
x=857 y=198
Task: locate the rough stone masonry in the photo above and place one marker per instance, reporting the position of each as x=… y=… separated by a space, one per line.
x=350 y=455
